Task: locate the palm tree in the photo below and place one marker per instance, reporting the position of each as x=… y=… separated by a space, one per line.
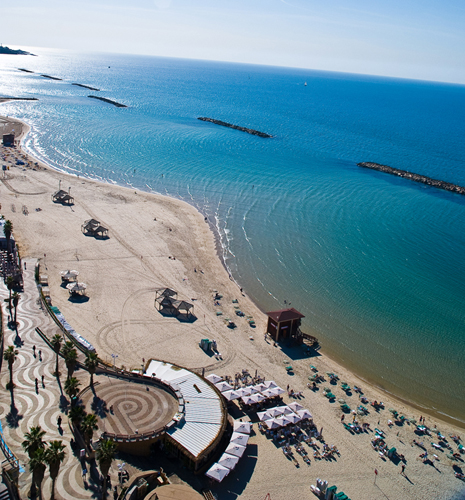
x=88 y=426
x=16 y=298
x=105 y=455
x=33 y=441
x=69 y=352
x=10 y=355
x=7 y=230
x=72 y=388
x=57 y=339
x=91 y=363
x=54 y=456
x=76 y=415
x=37 y=467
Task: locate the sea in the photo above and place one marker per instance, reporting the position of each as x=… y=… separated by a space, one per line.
x=376 y=263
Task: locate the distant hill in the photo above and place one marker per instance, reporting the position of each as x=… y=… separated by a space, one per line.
x=7 y=50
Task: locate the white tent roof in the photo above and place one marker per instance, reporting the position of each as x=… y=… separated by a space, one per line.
x=235 y=449
x=217 y=472
x=229 y=461
x=238 y=438
x=295 y=406
x=242 y=427
x=230 y=395
x=213 y=378
x=223 y=386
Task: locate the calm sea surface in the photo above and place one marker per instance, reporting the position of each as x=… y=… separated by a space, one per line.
x=376 y=263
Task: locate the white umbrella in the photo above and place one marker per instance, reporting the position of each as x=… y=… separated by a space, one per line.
x=244 y=391
x=235 y=449
x=230 y=395
x=69 y=274
x=253 y=389
x=76 y=287
x=272 y=424
x=258 y=398
x=263 y=415
x=278 y=390
x=285 y=410
x=260 y=387
x=238 y=438
x=276 y=411
x=217 y=472
x=228 y=461
x=293 y=418
x=214 y=379
x=270 y=383
x=283 y=421
x=223 y=386
x=269 y=393
x=295 y=406
x=242 y=427
x=303 y=414
x=247 y=400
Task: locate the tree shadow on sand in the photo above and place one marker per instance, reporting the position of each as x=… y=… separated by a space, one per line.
x=13 y=417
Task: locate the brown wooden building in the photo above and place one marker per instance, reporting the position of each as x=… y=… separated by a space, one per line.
x=284 y=323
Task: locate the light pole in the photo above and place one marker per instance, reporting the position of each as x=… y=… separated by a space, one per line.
x=114 y=356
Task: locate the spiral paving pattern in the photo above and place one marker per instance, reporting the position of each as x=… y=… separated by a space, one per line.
x=29 y=406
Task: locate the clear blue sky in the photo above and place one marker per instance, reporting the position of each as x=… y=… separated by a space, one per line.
x=422 y=39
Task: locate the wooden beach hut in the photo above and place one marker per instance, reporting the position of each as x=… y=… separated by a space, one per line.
x=284 y=323
x=63 y=197
x=94 y=228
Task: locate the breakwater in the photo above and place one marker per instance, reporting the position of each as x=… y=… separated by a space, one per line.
x=52 y=77
x=414 y=177
x=104 y=99
x=25 y=70
x=235 y=127
x=85 y=86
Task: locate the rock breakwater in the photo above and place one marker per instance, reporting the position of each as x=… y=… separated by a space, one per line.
x=235 y=127
x=85 y=86
x=104 y=99
x=454 y=188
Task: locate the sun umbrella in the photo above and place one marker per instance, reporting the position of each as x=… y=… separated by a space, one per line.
x=228 y=461
x=263 y=415
x=238 y=438
x=235 y=449
x=303 y=414
x=217 y=472
x=244 y=391
x=76 y=287
x=230 y=395
x=295 y=406
x=293 y=418
x=69 y=274
x=242 y=427
x=223 y=386
x=258 y=398
x=247 y=400
x=276 y=411
x=286 y=410
x=268 y=393
x=260 y=387
x=283 y=420
x=213 y=378
x=278 y=390
x=270 y=383
x=253 y=389
x=272 y=424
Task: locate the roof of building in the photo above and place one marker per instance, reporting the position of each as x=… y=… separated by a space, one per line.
x=203 y=409
x=285 y=315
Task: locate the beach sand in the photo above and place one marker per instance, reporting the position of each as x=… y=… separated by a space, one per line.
x=155 y=242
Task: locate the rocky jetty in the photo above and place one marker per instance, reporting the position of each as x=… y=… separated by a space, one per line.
x=51 y=77
x=235 y=127
x=20 y=98
x=17 y=52
x=104 y=99
x=25 y=70
x=85 y=86
x=414 y=177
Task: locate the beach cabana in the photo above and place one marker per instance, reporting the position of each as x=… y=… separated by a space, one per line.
x=284 y=323
x=92 y=227
x=63 y=197
x=77 y=288
x=69 y=275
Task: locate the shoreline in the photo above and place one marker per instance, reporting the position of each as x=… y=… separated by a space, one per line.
x=336 y=365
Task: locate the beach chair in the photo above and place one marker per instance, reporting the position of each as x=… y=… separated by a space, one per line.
x=289 y=368
x=313 y=368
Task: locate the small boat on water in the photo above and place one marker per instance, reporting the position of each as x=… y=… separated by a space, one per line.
x=305 y=84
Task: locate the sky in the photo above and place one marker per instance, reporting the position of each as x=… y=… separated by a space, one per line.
x=420 y=39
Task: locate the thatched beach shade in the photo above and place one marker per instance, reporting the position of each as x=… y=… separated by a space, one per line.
x=229 y=461
x=217 y=472
x=242 y=427
x=214 y=379
x=63 y=197
x=69 y=275
x=76 y=287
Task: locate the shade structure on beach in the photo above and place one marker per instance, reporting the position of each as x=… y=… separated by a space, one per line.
x=229 y=461
x=244 y=391
x=242 y=427
x=217 y=472
x=276 y=411
x=223 y=386
x=270 y=393
x=260 y=387
x=235 y=449
x=253 y=389
x=293 y=417
x=270 y=383
x=272 y=424
x=230 y=395
x=76 y=287
x=285 y=410
x=238 y=438
x=258 y=398
x=247 y=400
x=295 y=406
x=278 y=390
x=213 y=378
x=283 y=420
x=263 y=415
x=304 y=414
x=68 y=275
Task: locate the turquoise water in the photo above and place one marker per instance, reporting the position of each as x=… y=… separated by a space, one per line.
x=375 y=263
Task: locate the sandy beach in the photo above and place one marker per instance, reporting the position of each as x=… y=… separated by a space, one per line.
x=155 y=242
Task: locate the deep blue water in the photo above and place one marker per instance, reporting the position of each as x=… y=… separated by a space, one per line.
x=375 y=263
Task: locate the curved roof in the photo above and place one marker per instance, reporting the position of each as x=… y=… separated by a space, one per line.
x=285 y=315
